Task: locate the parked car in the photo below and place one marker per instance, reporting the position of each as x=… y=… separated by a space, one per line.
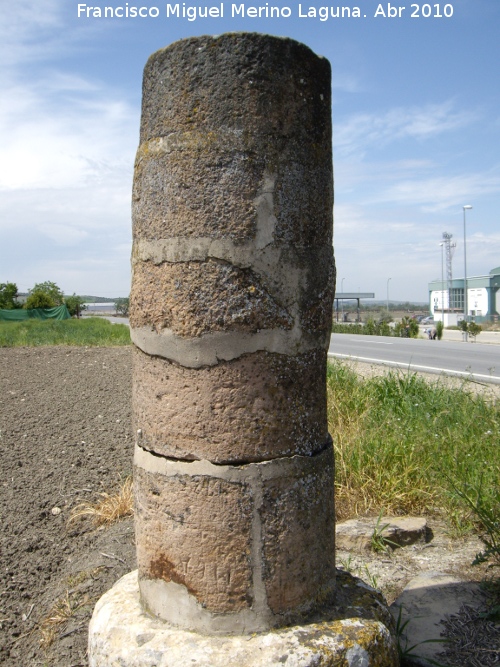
x=427 y=320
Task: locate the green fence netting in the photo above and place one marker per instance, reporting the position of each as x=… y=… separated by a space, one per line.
x=19 y=314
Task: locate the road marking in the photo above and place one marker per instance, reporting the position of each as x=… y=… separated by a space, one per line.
x=430 y=369
x=378 y=342
x=374 y=342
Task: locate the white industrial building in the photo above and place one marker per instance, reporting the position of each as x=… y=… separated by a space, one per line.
x=446 y=300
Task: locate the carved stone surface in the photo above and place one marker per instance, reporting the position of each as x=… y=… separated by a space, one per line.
x=195 y=531
x=231 y=305
x=231 y=308
x=234 y=549
x=216 y=413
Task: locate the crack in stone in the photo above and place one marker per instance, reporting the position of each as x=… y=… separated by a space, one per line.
x=234 y=464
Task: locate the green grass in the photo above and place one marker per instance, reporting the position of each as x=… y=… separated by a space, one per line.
x=404 y=445
x=91 y=331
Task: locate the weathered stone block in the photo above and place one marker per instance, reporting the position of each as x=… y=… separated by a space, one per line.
x=173 y=176
x=195 y=298
x=249 y=83
x=195 y=531
x=298 y=519
x=397 y=531
x=272 y=553
x=223 y=117
x=255 y=408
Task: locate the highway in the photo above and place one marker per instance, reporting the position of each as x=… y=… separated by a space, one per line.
x=473 y=360
x=459 y=359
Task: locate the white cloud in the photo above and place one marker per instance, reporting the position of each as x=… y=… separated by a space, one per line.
x=66 y=161
x=441 y=192
x=53 y=139
x=362 y=131
x=347 y=83
x=63 y=235
x=28 y=30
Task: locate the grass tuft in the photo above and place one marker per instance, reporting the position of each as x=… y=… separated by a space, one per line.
x=63 y=609
x=110 y=508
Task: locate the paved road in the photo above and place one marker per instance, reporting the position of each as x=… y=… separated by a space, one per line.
x=481 y=362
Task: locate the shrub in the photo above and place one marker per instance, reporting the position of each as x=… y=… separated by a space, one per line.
x=439 y=329
x=39 y=300
x=474 y=329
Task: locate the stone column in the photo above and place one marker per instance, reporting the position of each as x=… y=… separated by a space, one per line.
x=231 y=306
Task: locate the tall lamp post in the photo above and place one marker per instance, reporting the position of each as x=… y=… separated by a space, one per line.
x=442 y=284
x=388 y=279
x=467 y=207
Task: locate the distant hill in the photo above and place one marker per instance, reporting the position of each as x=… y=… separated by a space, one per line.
x=98 y=299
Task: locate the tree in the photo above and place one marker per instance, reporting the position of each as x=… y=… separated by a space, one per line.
x=8 y=294
x=39 y=300
x=121 y=306
x=471 y=328
x=474 y=329
x=75 y=304
x=44 y=295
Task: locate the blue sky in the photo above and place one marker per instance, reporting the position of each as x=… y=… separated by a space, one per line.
x=416 y=118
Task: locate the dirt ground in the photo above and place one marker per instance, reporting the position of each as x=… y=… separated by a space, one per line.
x=65 y=435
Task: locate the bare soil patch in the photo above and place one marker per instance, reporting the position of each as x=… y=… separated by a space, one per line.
x=65 y=436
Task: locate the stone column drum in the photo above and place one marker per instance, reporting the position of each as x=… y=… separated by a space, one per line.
x=231 y=306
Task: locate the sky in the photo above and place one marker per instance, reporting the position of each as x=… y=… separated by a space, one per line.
x=416 y=135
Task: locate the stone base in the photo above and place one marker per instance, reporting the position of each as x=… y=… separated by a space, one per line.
x=356 y=632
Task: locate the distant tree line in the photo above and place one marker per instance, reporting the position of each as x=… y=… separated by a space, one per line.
x=49 y=295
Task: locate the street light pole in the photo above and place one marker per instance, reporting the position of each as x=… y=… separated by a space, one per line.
x=467 y=207
x=442 y=284
x=388 y=279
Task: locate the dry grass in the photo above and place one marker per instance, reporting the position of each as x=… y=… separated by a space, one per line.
x=63 y=609
x=110 y=508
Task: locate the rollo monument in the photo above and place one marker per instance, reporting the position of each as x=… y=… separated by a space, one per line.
x=231 y=306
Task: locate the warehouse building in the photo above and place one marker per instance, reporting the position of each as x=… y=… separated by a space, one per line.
x=446 y=301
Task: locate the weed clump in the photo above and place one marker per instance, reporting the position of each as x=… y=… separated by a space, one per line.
x=61 y=612
x=404 y=444
x=107 y=510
